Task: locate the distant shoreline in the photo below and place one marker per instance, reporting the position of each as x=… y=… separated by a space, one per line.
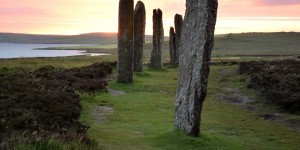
x=17 y=50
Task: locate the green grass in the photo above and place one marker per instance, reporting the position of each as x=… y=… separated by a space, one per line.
x=257 y=44
x=64 y=62
x=143 y=118
x=50 y=145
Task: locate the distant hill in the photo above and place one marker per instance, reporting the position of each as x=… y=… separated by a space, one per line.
x=87 y=38
x=258 y=44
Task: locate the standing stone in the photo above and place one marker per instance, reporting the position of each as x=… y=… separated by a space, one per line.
x=139 y=35
x=197 y=43
x=125 y=42
x=172 y=45
x=178 y=21
x=162 y=40
x=156 y=55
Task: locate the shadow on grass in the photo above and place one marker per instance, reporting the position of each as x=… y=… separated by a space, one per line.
x=171 y=66
x=127 y=87
x=176 y=139
x=157 y=69
x=142 y=74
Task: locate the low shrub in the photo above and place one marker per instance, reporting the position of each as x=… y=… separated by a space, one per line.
x=44 y=103
x=278 y=81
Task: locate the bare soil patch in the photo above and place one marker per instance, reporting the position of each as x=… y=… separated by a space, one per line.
x=236 y=97
x=102 y=113
x=280 y=118
x=115 y=92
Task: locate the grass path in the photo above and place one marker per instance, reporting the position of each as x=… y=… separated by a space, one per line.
x=143 y=117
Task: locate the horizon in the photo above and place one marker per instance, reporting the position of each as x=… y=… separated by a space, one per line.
x=58 y=18
x=145 y=34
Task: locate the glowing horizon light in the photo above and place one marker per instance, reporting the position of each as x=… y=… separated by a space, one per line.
x=70 y=17
x=258 y=24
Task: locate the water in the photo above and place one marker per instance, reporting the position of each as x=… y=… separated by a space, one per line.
x=12 y=50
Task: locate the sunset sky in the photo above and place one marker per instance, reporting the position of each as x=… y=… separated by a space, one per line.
x=83 y=16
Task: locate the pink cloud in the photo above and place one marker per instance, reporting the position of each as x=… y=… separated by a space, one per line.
x=259 y=8
x=174 y=7
x=278 y=2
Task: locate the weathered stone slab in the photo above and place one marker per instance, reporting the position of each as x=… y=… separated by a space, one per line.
x=158 y=36
x=197 y=42
x=172 y=45
x=125 y=42
x=178 y=21
x=139 y=35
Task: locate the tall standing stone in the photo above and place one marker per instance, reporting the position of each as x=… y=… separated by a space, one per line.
x=162 y=31
x=172 y=45
x=197 y=43
x=125 y=42
x=178 y=21
x=139 y=35
x=156 y=55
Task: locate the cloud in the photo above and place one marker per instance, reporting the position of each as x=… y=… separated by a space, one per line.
x=259 y=2
x=278 y=2
x=23 y=11
x=174 y=7
x=261 y=19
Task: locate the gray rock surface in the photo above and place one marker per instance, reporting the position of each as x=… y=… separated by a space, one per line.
x=178 y=21
x=172 y=45
x=158 y=36
x=139 y=35
x=125 y=42
x=195 y=49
